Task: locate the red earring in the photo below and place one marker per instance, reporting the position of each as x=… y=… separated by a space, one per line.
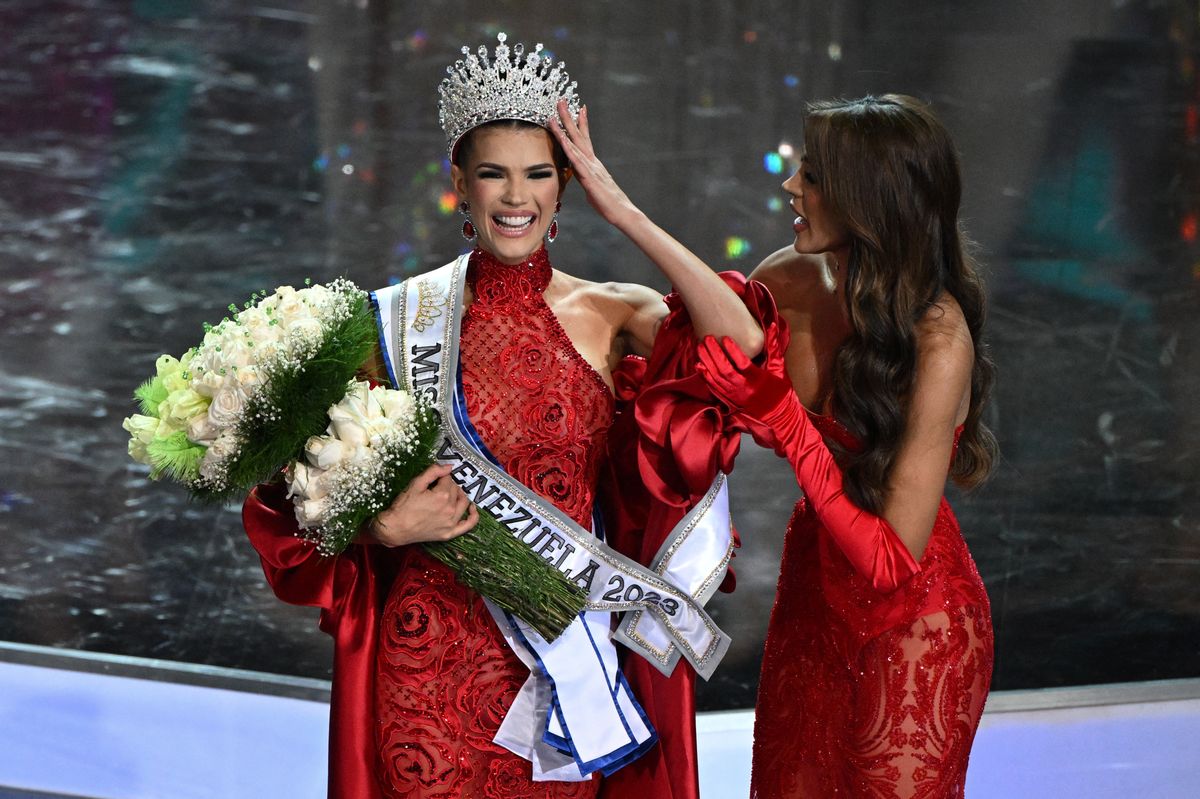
x=468 y=229
x=552 y=231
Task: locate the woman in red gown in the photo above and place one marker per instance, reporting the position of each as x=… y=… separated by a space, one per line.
x=879 y=650
x=422 y=675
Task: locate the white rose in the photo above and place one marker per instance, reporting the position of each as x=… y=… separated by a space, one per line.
x=269 y=350
x=256 y=326
x=224 y=447
x=292 y=308
x=396 y=405
x=249 y=378
x=201 y=430
x=207 y=382
x=141 y=431
x=307 y=329
x=236 y=349
x=325 y=452
x=312 y=513
x=262 y=335
x=217 y=453
x=349 y=418
x=317 y=296
x=227 y=405
x=306 y=482
x=207 y=362
x=348 y=428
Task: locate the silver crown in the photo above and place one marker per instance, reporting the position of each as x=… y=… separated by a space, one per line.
x=512 y=86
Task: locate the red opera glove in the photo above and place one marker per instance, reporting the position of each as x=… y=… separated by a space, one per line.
x=768 y=404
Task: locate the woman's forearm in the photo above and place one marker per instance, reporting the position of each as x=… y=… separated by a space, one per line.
x=715 y=310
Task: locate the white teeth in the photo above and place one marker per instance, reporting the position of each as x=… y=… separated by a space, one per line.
x=515 y=221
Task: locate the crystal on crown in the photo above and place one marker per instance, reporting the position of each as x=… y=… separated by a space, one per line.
x=513 y=85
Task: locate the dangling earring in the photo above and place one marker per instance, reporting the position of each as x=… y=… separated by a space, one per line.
x=468 y=229
x=552 y=231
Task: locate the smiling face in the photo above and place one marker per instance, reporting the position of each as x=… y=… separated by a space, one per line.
x=509 y=178
x=816 y=226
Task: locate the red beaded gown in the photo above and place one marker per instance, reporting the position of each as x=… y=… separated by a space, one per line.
x=421 y=677
x=444 y=677
x=866 y=693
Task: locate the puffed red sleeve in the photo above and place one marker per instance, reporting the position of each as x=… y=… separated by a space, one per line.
x=295 y=571
x=669 y=438
x=685 y=433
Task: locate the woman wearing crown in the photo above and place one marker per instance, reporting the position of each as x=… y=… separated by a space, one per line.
x=539 y=376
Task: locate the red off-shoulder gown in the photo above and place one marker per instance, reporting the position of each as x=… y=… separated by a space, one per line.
x=865 y=693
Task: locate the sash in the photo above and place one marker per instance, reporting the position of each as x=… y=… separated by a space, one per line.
x=576 y=713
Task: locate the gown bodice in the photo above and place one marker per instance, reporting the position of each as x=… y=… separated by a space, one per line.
x=444 y=675
x=541 y=409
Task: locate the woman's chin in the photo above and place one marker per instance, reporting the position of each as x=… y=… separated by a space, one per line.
x=802 y=247
x=511 y=249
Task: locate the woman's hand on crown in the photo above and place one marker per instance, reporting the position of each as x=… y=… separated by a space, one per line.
x=602 y=191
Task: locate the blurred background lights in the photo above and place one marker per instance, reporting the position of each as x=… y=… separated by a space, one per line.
x=773 y=162
x=447 y=203
x=736 y=247
x=1188 y=227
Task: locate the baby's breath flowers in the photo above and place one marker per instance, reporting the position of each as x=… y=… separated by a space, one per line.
x=273 y=385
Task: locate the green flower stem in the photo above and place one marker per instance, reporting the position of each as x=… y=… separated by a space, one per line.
x=488 y=559
x=494 y=563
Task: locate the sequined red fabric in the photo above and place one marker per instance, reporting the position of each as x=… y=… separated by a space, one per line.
x=444 y=675
x=864 y=694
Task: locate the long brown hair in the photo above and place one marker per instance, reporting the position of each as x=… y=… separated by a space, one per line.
x=890 y=173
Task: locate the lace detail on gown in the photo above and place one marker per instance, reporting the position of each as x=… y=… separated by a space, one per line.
x=865 y=694
x=444 y=675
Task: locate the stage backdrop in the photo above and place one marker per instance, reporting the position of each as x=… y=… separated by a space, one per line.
x=160 y=160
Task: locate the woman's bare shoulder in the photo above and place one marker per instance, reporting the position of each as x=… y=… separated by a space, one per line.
x=792 y=277
x=943 y=329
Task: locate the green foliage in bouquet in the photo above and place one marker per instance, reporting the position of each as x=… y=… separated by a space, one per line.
x=176 y=457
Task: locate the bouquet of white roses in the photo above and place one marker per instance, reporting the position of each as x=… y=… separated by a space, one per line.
x=273 y=386
x=377 y=441
x=230 y=412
